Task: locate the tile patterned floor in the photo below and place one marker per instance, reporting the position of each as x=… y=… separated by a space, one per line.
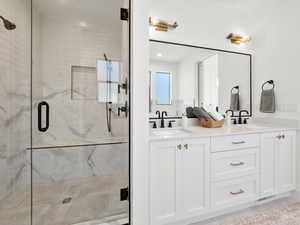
x=68 y=202
x=265 y=214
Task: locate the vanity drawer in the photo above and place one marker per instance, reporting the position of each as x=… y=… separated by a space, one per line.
x=234 y=192
x=232 y=164
x=227 y=143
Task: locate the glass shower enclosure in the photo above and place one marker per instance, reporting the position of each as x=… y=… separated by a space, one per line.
x=64 y=112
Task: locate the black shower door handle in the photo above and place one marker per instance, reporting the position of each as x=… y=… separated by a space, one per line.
x=40 y=117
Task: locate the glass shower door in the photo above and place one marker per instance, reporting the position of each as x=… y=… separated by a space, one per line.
x=80 y=125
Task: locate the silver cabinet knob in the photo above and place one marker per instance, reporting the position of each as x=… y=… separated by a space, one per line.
x=279 y=137
x=238 y=193
x=237 y=164
x=186 y=146
x=179 y=147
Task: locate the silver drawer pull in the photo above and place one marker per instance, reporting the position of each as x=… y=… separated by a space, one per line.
x=238 y=142
x=238 y=193
x=179 y=147
x=237 y=164
x=186 y=146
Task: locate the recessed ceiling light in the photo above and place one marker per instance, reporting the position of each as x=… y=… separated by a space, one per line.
x=159 y=54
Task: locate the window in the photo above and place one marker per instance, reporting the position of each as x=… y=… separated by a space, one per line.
x=163 y=88
x=108 y=74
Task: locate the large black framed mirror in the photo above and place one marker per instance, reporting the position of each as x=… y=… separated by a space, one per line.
x=182 y=76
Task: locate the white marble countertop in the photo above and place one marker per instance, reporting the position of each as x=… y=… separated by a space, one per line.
x=195 y=131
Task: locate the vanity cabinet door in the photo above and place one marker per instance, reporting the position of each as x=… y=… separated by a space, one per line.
x=163 y=173
x=268 y=165
x=194 y=177
x=278 y=155
x=286 y=162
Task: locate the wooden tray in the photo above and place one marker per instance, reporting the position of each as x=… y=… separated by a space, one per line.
x=211 y=123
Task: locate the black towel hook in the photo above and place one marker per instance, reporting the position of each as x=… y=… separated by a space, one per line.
x=271 y=82
x=235 y=87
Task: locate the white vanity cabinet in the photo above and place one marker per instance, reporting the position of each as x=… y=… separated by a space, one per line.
x=194 y=177
x=179 y=179
x=278 y=161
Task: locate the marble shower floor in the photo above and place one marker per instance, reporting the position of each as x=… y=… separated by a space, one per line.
x=68 y=202
x=237 y=217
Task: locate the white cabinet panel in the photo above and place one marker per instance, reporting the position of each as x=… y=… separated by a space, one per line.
x=233 y=192
x=194 y=177
x=268 y=158
x=278 y=155
x=231 y=164
x=233 y=142
x=163 y=172
x=179 y=179
x=286 y=162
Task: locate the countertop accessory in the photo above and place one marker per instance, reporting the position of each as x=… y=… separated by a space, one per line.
x=211 y=123
x=267 y=101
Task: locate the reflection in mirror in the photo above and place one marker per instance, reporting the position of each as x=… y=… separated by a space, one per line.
x=182 y=76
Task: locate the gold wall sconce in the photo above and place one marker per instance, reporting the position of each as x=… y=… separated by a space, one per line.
x=161 y=25
x=238 y=39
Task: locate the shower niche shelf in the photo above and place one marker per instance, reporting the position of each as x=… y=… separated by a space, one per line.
x=83 y=83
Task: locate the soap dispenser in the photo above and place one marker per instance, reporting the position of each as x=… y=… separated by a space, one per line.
x=184 y=121
x=228 y=120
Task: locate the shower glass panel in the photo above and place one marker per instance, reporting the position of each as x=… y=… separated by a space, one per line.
x=80 y=125
x=14 y=112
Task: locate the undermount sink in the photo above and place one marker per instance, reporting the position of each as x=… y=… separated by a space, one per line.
x=169 y=131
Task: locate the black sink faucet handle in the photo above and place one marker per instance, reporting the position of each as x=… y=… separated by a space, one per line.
x=170 y=123
x=154 y=124
x=246 y=120
x=234 y=121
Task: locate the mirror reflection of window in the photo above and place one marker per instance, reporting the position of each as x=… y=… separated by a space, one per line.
x=163 y=88
x=108 y=76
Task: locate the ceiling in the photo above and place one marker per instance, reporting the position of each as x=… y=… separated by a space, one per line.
x=81 y=11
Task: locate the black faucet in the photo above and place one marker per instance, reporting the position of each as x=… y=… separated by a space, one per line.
x=158 y=113
x=162 y=123
x=240 y=121
x=230 y=110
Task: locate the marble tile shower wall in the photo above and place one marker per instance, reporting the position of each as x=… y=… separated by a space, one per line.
x=14 y=99
x=60 y=164
x=54 y=54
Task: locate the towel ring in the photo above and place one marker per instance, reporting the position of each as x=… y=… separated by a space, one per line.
x=271 y=82
x=236 y=87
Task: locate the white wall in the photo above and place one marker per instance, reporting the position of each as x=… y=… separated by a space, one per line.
x=139 y=112
x=271 y=25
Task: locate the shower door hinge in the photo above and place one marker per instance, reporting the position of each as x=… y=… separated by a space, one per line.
x=124 y=14
x=124 y=194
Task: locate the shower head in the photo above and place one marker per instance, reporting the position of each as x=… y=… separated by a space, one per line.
x=7 y=24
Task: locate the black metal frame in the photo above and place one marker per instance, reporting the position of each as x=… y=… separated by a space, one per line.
x=213 y=49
